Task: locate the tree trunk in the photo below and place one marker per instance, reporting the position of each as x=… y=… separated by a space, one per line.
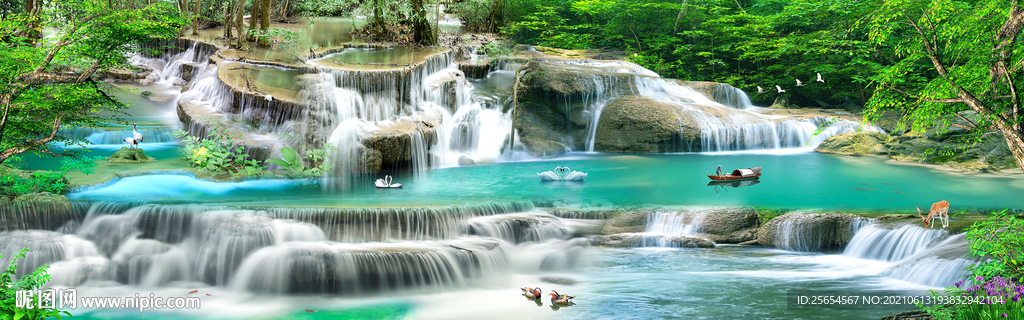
x=195 y=21
x=240 y=23
x=264 y=41
x=682 y=15
x=421 y=33
x=229 y=15
x=1016 y=145
x=254 y=13
x=32 y=8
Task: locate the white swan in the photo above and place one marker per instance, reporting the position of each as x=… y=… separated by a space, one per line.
x=548 y=176
x=386 y=183
x=562 y=174
x=575 y=176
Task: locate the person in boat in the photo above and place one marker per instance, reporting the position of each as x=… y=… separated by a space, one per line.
x=719 y=171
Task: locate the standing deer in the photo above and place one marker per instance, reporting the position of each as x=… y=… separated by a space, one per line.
x=939 y=210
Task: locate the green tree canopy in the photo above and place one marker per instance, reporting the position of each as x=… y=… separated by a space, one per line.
x=959 y=65
x=45 y=82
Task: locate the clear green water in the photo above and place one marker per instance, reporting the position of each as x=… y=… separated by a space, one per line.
x=801 y=180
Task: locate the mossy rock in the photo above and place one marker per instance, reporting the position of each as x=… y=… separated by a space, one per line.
x=127 y=155
x=855 y=144
x=147 y=93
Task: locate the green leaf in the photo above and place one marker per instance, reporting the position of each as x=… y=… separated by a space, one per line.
x=279 y=162
x=289 y=154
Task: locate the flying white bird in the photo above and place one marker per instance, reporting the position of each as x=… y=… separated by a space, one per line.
x=799 y=83
x=820 y=79
x=759 y=90
x=780 y=89
x=136 y=135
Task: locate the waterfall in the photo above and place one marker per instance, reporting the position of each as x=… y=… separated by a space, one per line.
x=940 y=265
x=681 y=223
x=519 y=228
x=879 y=243
x=421 y=116
x=101 y=136
x=670 y=228
x=304 y=267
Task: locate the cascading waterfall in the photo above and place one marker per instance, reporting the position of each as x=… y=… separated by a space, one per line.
x=879 y=243
x=940 y=265
x=300 y=250
x=98 y=136
x=434 y=94
x=665 y=227
x=519 y=228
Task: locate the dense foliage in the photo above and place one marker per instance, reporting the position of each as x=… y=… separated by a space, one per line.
x=14 y=182
x=8 y=288
x=45 y=82
x=924 y=62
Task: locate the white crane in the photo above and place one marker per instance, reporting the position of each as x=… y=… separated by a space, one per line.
x=759 y=90
x=799 y=83
x=136 y=135
x=131 y=142
x=820 y=79
x=780 y=89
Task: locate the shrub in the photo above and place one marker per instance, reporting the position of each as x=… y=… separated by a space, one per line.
x=218 y=153
x=9 y=288
x=14 y=182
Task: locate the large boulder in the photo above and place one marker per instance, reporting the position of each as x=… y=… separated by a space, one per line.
x=552 y=113
x=807 y=231
x=626 y=222
x=855 y=144
x=729 y=224
x=640 y=125
x=989 y=154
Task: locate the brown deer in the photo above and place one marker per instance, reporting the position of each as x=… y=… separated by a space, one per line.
x=939 y=210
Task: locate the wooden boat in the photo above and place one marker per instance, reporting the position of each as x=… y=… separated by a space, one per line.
x=738 y=174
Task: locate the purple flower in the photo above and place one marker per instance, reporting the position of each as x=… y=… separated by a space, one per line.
x=959 y=283
x=979 y=278
x=1005 y=315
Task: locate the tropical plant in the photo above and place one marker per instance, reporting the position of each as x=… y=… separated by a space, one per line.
x=314 y=164
x=9 y=288
x=218 y=153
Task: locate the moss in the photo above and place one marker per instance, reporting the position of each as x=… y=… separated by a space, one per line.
x=765 y=214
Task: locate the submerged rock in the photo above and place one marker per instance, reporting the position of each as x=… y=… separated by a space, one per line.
x=631 y=240
x=855 y=144
x=126 y=154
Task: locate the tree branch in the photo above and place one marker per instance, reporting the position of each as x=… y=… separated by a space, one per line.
x=63 y=42
x=972 y=124
x=944 y=100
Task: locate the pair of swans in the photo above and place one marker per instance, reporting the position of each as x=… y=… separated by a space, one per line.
x=562 y=174
x=386 y=183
